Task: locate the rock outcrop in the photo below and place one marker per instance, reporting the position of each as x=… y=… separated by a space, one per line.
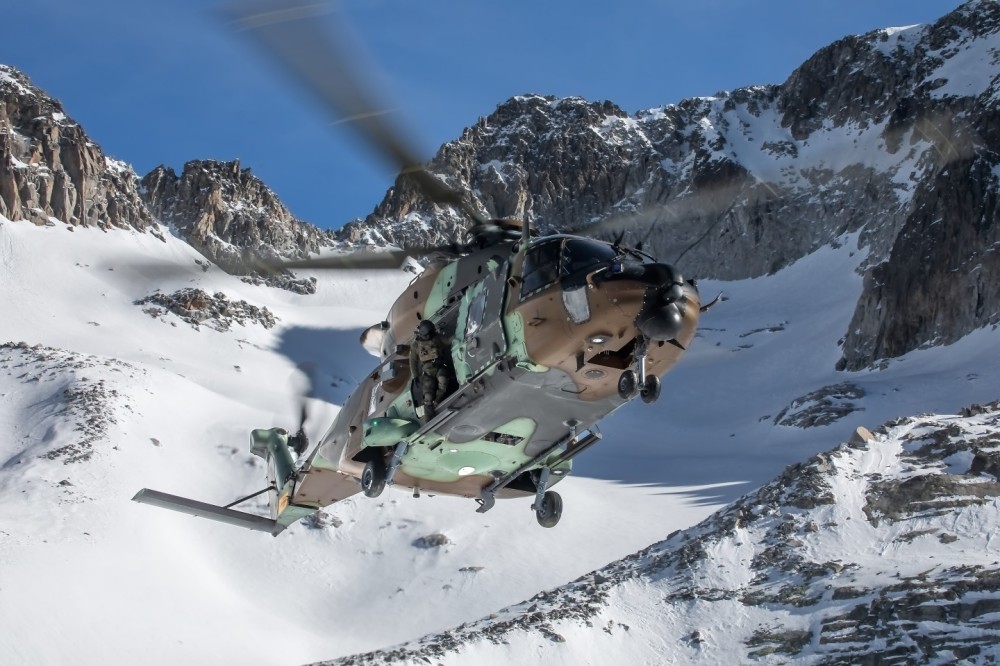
x=196 y=308
x=50 y=170
x=227 y=214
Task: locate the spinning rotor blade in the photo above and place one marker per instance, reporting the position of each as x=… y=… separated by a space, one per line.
x=704 y=202
x=289 y=32
x=359 y=260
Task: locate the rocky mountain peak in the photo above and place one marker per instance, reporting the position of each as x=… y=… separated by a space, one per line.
x=882 y=135
x=228 y=214
x=50 y=169
x=225 y=211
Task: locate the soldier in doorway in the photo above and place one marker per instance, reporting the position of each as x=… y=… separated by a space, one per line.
x=430 y=366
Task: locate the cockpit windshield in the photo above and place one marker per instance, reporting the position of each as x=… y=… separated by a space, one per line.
x=580 y=254
x=566 y=259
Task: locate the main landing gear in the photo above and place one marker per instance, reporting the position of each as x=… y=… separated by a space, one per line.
x=376 y=475
x=550 y=511
x=548 y=503
x=631 y=381
x=373 y=477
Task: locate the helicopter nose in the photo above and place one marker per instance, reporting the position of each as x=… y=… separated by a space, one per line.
x=662 y=314
x=662 y=323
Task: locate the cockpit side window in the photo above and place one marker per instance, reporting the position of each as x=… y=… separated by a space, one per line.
x=541 y=267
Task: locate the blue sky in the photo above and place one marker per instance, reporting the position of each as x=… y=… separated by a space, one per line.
x=166 y=82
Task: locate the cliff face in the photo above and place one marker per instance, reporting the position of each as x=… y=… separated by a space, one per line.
x=876 y=134
x=50 y=171
x=226 y=213
x=939 y=281
x=49 y=168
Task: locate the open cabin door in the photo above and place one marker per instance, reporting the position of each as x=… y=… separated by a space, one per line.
x=479 y=338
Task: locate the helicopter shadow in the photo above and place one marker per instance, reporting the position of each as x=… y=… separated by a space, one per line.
x=634 y=452
x=332 y=358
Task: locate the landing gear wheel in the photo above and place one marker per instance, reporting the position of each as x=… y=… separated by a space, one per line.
x=373 y=478
x=551 y=510
x=627 y=384
x=651 y=389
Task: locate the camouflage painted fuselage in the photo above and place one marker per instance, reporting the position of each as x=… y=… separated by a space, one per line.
x=540 y=336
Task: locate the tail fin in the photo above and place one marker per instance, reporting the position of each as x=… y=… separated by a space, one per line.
x=272 y=446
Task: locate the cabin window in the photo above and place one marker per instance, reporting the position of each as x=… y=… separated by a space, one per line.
x=477 y=308
x=576 y=304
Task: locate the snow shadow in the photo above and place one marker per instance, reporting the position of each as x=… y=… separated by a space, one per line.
x=333 y=359
x=701 y=480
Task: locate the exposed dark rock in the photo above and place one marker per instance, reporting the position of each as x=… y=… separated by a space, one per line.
x=431 y=541
x=821 y=407
x=925 y=494
x=321 y=520
x=283 y=280
x=197 y=307
x=768 y=642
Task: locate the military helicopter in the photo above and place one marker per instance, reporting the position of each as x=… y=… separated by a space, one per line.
x=546 y=335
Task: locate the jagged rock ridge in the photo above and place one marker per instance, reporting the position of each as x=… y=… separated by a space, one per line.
x=876 y=552
x=881 y=134
x=50 y=169
x=226 y=212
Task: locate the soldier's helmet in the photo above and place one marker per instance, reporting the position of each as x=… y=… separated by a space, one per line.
x=426 y=330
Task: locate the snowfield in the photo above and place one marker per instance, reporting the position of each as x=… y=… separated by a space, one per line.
x=101 y=397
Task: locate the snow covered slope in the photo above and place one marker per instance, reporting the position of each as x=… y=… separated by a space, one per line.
x=881 y=551
x=100 y=396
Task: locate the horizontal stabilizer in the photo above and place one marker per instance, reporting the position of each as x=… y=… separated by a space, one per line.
x=210 y=511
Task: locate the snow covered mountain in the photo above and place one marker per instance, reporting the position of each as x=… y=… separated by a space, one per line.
x=115 y=376
x=892 y=134
x=880 y=551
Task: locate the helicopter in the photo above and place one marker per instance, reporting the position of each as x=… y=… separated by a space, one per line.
x=545 y=335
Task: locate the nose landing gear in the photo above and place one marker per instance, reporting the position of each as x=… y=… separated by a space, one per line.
x=631 y=381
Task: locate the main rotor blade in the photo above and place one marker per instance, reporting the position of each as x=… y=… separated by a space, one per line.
x=704 y=202
x=291 y=34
